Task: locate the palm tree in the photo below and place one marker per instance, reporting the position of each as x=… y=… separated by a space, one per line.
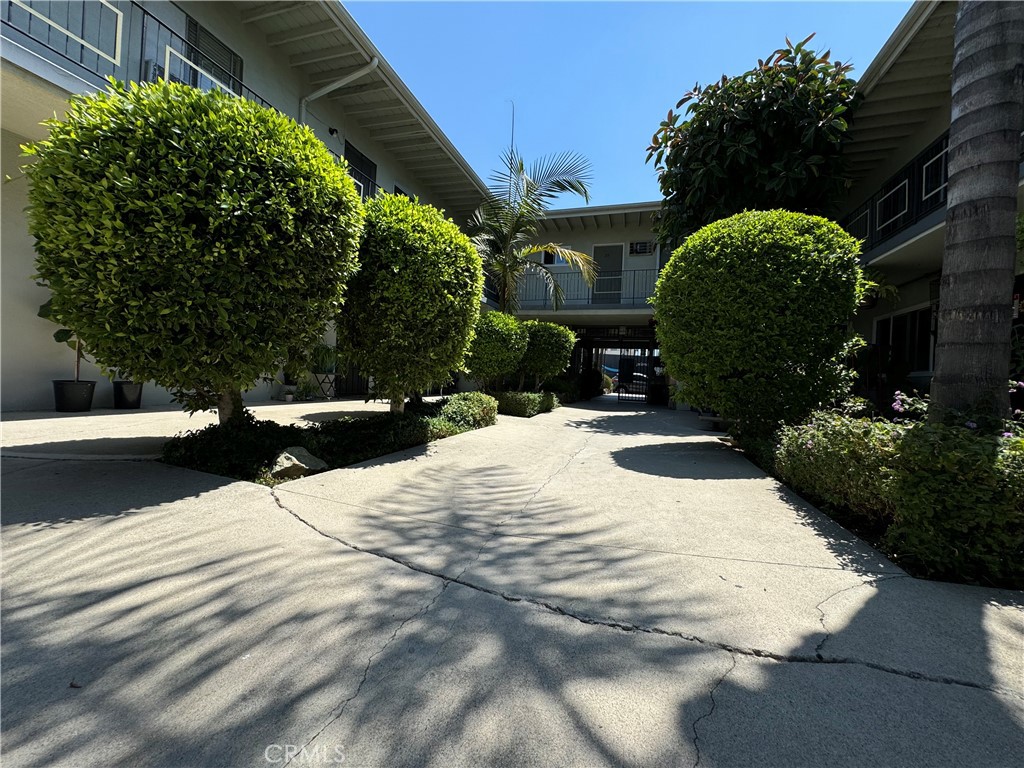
x=505 y=226
x=972 y=353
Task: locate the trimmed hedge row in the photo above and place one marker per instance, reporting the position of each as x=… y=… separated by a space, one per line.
x=945 y=500
x=525 y=404
x=245 y=449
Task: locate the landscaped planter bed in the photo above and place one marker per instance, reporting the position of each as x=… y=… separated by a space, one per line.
x=245 y=449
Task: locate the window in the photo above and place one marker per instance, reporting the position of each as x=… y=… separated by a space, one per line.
x=641 y=248
x=906 y=342
x=362 y=169
x=553 y=259
x=400 y=191
x=213 y=57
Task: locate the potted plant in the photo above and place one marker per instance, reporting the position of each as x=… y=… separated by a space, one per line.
x=127 y=394
x=70 y=395
x=323 y=361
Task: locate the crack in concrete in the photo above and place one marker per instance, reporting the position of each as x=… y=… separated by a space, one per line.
x=821 y=618
x=714 y=706
x=340 y=709
x=628 y=626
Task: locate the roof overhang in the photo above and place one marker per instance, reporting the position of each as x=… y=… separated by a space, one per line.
x=906 y=88
x=600 y=217
x=320 y=39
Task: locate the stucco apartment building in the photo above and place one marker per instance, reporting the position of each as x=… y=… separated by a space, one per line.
x=309 y=60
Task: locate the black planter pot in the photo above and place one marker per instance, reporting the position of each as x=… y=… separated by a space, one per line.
x=127 y=394
x=72 y=396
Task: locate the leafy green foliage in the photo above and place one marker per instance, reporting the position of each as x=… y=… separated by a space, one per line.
x=548 y=349
x=945 y=500
x=470 y=410
x=566 y=387
x=246 y=448
x=189 y=238
x=753 y=317
x=958 y=496
x=839 y=461
x=769 y=138
x=415 y=300
x=505 y=225
x=243 y=448
x=498 y=347
x=525 y=404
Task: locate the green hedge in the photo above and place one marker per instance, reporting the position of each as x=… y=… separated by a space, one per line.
x=525 y=404
x=958 y=500
x=840 y=462
x=945 y=500
x=753 y=317
x=246 y=449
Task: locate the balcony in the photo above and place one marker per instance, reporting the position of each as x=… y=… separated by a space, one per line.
x=616 y=289
x=905 y=199
x=98 y=39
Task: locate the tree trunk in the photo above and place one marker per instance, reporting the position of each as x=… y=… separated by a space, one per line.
x=972 y=353
x=398 y=403
x=229 y=405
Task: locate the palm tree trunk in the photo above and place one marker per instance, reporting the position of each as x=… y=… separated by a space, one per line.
x=972 y=354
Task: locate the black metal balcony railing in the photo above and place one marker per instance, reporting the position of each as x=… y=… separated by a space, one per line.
x=618 y=288
x=97 y=39
x=916 y=191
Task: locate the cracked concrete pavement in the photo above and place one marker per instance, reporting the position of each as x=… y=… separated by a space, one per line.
x=601 y=585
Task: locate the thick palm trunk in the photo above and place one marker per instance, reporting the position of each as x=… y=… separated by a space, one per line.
x=972 y=354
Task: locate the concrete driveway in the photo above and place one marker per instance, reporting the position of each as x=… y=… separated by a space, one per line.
x=596 y=586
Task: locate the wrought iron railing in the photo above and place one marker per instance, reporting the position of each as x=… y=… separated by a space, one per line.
x=907 y=197
x=611 y=288
x=98 y=39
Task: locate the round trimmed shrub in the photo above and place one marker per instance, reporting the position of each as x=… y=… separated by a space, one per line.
x=190 y=239
x=753 y=317
x=497 y=349
x=413 y=305
x=548 y=350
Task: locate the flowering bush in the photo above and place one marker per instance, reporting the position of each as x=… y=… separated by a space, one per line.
x=839 y=461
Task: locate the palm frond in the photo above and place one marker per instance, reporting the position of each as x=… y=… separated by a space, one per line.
x=584 y=262
x=564 y=172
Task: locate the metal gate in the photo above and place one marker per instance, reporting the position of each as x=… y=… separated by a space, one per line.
x=634 y=374
x=350 y=382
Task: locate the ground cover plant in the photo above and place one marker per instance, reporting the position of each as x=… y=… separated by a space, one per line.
x=413 y=305
x=245 y=448
x=944 y=499
x=190 y=238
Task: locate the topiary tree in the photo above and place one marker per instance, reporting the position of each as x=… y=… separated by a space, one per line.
x=497 y=349
x=190 y=238
x=548 y=351
x=412 y=307
x=753 y=315
x=771 y=137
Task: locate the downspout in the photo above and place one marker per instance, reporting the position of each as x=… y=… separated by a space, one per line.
x=361 y=72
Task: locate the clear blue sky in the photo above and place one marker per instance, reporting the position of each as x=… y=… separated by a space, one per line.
x=593 y=77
